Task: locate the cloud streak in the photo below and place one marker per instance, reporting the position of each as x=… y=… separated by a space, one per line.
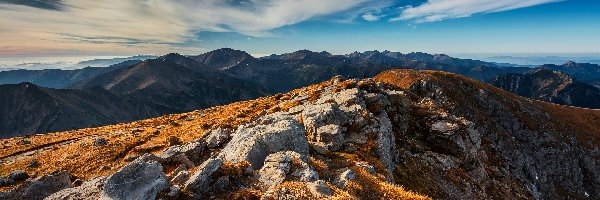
x=149 y=26
x=438 y=10
x=125 y=27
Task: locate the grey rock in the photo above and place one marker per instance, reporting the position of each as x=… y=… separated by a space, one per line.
x=18 y=175
x=201 y=179
x=271 y=133
x=140 y=179
x=33 y=164
x=180 y=178
x=279 y=167
x=331 y=135
x=217 y=137
x=24 y=142
x=5 y=181
x=174 y=192
x=192 y=151
x=100 y=142
x=41 y=187
x=88 y=190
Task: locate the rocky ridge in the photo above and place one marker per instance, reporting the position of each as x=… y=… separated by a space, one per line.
x=436 y=134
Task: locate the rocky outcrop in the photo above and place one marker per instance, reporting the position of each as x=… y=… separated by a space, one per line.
x=201 y=180
x=286 y=165
x=269 y=134
x=41 y=187
x=140 y=179
x=88 y=190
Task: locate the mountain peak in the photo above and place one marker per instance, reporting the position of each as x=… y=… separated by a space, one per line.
x=223 y=58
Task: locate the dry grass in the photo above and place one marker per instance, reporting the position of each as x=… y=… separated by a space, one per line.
x=367 y=186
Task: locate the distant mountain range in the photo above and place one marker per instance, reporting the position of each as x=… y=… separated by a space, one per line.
x=57 y=78
x=551 y=86
x=175 y=83
x=26 y=108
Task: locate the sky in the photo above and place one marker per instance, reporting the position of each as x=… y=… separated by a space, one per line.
x=46 y=28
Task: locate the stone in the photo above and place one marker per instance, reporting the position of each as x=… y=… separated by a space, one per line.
x=180 y=178
x=100 y=142
x=269 y=134
x=18 y=175
x=445 y=127
x=33 y=164
x=5 y=181
x=286 y=165
x=41 y=187
x=24 y=142
x=174 y=192
x=344 y=178
x=217 y=137
x=201 y=179
x=141 y=179
x=386 y=142
x=331 y=135
x=88 y=190
x=191 y=150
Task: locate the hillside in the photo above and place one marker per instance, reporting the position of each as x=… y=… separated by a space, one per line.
x=581 y=71
x=551 y=86
x=404 y=134
x=176 y=82
x=29 y=109
x=57 y=78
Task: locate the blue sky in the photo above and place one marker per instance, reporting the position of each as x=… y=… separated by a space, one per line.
x=116 y=27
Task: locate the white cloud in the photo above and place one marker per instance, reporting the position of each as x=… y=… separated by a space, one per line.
x=371 y=17
x=152 y=26
x=437 y=10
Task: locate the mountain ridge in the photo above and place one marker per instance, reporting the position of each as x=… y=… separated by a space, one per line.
x=436 y=134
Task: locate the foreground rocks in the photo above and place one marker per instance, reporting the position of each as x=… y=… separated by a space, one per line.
x=141 y=179
x=41 y=187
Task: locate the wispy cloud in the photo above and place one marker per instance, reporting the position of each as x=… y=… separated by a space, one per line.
x=42 y=4
x=437 y=10
x=149 y=26
x=160 y=26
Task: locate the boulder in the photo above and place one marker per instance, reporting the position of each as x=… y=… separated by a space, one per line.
x=5 y=181
x=18 y=175
x=88 y=190
x=180 y=178
x=141 y=179
x=217 y=137
x=41 y=187
x=192 y=151
x=201 y=179
x=100 y=142
x=271 y=133
x=286 y=165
